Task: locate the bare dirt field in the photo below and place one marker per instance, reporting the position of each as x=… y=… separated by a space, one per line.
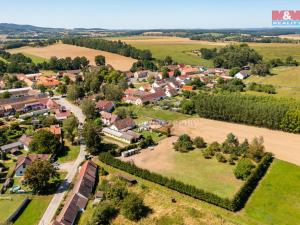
x=62 y=50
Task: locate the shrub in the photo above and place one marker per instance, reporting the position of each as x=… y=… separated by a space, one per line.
x=243 y=169
x=221 y=158
x=103 y=214
x=184 y=143
x=133 y=207
x=103 y=172
x=199 y=142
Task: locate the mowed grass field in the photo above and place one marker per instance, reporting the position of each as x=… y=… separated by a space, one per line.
x=31 y=214
x=277 y=198
x=274 y=201
x=180 y=48
x=147 y=113
x=63 y=50
x=8 y=205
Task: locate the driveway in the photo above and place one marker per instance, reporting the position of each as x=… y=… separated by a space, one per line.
x=72 y=170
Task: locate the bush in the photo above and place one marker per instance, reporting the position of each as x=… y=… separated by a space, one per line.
x=103 y=214
x=221 y=158
x=199 y=142
x=133 y=207
x=183 y=144
x=103 y=172
x=243 y=169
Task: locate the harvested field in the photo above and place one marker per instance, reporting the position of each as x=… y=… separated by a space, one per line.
x=284 y=145
x=63 y=50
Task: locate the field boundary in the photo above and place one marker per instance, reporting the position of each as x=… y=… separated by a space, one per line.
x=235 y=204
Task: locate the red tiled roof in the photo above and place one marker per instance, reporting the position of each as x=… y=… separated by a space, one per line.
x=124 y=123
x=187 y=88
x=104 y=105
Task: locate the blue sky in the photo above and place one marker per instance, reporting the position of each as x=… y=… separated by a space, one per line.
x=139 y=14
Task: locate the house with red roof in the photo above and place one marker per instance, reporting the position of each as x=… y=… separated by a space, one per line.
x=108 y=118
x=105 y=105
x=123 y=125
x=79 y=196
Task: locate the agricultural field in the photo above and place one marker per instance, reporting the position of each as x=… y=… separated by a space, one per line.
x=285 y=79
x=36 y=59
x=181 y=48
x=63 y=50
x=283 y=145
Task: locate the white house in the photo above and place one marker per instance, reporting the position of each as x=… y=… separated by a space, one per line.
x=24 y=161
x=243 y=74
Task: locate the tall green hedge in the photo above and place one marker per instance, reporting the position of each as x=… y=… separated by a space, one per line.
x=261 y=111
x=233 y=205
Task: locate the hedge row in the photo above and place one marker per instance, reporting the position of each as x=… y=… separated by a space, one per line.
x=241 y=197
x=233 y=205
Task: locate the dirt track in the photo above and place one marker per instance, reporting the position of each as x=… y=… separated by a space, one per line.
x=285 y=146
x=62 y=50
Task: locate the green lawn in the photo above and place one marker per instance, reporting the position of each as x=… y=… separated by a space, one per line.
x=8 y=205
x=208 y=174
x=34 y=211
x=277 y=198
x=71 y=155
x=155 y=136
x=145 y=113
x=35 y=59
x=285 y=79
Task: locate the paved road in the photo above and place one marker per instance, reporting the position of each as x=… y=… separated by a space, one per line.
x=63 y=188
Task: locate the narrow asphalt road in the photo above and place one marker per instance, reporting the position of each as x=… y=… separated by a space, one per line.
x=63 y=188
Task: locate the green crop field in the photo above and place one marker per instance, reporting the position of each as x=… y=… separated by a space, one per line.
x=35 y=59
x=181 y=50
x=181 y=53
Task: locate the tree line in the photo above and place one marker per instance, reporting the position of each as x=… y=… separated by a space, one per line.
x=234 y=204
x=117 y=47
x=261 y=111
x=19 y=63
